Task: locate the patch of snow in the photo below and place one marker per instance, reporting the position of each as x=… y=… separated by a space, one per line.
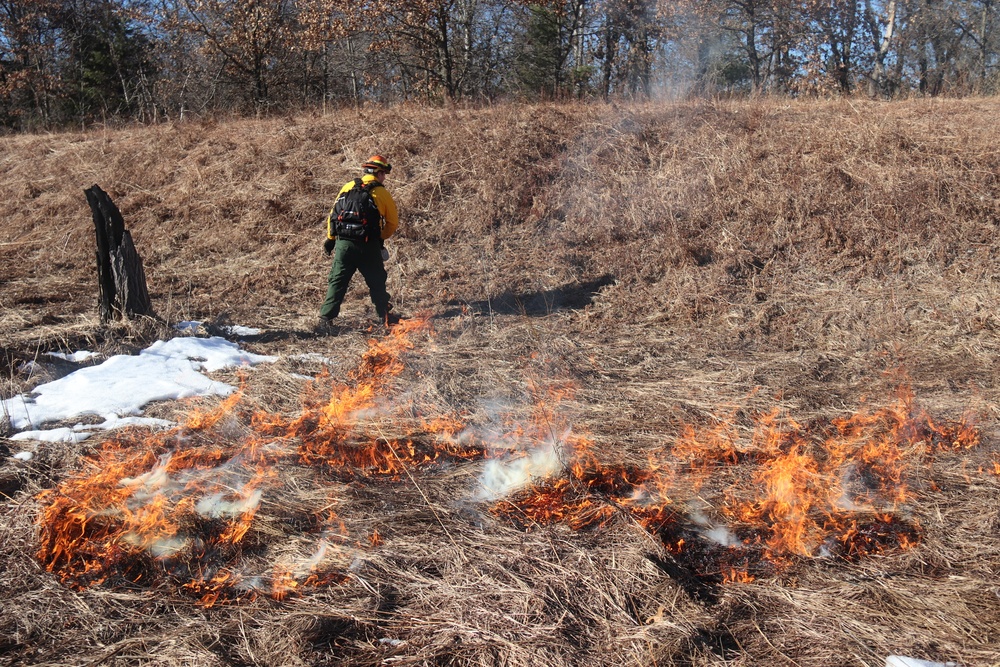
x=903 y=661
x=77 y=357
x=193 y=327
x=81 y=432
x=63 y=434
x=236 y=330
x=208 y=354
x=122 y=385
x=114 y=421
x=187 y=326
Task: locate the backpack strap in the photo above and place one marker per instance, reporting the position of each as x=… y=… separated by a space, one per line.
x=371 y=191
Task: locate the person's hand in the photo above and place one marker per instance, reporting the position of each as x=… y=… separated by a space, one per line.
x=328 y=246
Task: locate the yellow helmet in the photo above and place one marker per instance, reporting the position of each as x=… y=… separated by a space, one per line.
x=377 y=163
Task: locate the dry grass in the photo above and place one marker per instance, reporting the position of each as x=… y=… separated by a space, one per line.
x=678 y=264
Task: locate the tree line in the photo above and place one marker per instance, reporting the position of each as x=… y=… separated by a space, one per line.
x=65 y=62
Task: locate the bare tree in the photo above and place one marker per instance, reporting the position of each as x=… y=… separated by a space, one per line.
x=248 y=37
x=880 y=23
x=29 y=78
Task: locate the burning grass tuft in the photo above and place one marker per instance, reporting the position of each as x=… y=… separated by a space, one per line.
x=182 y=506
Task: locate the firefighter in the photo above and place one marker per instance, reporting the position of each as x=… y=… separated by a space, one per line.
x=357 y=226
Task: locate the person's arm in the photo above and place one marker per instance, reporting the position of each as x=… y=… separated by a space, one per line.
x=330 y=236
x=387 y=208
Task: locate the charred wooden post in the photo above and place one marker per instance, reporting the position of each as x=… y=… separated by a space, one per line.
x=120 y=277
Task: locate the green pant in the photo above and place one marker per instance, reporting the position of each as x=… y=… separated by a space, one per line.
x=348 y=257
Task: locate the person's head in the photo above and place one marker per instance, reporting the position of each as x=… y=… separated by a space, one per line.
x=378 y=166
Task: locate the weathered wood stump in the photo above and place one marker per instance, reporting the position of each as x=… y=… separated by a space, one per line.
x=120 y=277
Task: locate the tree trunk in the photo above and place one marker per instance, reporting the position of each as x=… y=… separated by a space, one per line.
x=120 y=277
x=878 y=84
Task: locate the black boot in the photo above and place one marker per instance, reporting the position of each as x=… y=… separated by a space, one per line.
x=324 y=326
x=388 y=319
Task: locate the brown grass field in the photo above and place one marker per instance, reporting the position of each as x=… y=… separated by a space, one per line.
x=772 y=320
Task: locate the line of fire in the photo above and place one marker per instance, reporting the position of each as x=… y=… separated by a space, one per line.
x=193 y=510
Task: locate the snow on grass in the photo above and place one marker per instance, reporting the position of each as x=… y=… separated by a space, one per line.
x=118 y=389
x=78 y=357
x=192 y=327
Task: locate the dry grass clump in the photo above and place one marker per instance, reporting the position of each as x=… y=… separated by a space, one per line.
x=625 y=272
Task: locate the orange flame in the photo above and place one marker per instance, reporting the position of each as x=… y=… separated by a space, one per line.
x=180 y=506
x=833 y=488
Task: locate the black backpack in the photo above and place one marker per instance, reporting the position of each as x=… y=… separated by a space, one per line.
x=355 y=215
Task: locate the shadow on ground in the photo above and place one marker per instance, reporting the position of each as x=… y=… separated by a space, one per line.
x=573 y=296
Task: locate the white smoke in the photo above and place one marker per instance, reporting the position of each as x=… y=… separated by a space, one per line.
x=501 y=477
x=857 y=492
x=224 y=494
x=316 y=558
x=220 y=505
x=150 y=483
x=168 y=547
x=721 y=535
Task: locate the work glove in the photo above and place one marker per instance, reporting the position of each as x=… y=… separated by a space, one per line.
x=328 y=246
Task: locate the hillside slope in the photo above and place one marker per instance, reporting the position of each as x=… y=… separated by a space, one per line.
x=739 y=197
x=659 y=276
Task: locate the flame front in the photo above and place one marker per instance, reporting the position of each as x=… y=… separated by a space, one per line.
x=181 y=505
x=834 y=488
x=733 y=503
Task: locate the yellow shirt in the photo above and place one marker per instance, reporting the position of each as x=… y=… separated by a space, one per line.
x=384 y=201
